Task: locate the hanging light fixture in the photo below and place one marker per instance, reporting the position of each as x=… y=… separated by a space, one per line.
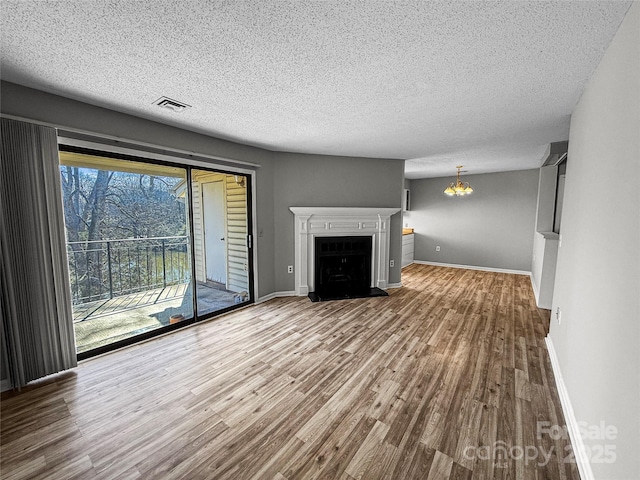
x=458 y=188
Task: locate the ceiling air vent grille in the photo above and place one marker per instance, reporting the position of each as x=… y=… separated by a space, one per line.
x=174 y=105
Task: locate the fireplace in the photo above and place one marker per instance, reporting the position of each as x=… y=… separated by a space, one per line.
x=316 y=223
x=343 y=268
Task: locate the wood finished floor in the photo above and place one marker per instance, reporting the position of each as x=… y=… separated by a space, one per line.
x=426 y=383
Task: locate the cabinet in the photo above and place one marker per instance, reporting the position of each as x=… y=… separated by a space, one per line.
x=407 y=249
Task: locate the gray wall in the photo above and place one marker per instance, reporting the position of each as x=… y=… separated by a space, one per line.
x=322 y=181
x=493 y=227
x=597 y=283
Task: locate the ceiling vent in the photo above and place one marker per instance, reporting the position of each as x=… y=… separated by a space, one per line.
x=170 y=104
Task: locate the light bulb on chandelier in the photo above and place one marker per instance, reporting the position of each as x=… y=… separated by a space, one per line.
x=458 y=188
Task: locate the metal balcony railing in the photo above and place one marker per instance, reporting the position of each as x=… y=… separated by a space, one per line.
x=105 y=269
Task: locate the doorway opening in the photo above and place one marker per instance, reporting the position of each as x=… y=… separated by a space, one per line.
x=221 y=240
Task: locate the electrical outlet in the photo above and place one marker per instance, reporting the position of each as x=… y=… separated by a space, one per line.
x=290 y=269
x=558 y=315
x=392 y=263
x=437 y=248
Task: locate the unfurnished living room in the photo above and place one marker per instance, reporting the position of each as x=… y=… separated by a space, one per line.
x=320 y=239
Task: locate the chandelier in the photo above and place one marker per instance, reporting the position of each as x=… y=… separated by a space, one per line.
x=458 y=188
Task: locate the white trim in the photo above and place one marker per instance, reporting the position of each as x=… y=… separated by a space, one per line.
x=266 y=298
x=5 y=385
x=312 y=222
x=292 y=293
x=472 y=267
x=344 y=211
x=536 y=294
x=271 y=296
x=582 y=461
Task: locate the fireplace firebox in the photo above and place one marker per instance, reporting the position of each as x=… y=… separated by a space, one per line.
x=343 y=268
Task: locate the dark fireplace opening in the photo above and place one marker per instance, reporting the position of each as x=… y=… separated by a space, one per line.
x=343 y=268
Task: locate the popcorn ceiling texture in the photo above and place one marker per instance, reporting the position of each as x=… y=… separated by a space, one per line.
x=483 y=84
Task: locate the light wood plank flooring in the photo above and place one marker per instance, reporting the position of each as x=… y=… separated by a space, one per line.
x=444 y=379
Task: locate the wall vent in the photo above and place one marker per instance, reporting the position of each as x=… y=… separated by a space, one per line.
x=174 y=105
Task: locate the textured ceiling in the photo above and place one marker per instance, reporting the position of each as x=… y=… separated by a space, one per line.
x=483 y=84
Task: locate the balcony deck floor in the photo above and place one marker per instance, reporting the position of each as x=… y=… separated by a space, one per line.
x=102 y=322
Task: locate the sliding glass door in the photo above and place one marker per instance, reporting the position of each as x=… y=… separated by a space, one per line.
x=150 y=246
x=221 y=240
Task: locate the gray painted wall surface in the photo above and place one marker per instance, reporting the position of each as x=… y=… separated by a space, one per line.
x=492 y=228
x=597 y=283
x=323 y=181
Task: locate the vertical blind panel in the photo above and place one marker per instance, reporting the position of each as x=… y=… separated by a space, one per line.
x=36 y=301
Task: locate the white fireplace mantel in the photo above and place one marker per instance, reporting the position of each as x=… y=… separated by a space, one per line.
x=312 y=222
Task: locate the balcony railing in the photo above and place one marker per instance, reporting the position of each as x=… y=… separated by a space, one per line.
x=104 y=269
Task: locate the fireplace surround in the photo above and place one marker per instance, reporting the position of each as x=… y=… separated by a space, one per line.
x=315 y=222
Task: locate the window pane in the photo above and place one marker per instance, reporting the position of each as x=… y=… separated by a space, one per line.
x=128 y=246
x=220 y=224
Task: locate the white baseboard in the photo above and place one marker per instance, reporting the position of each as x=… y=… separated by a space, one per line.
x=473 y=267
x=536 y=293
x=292 y=293
x=535 y=289
x=271 y=296
x=577 y=443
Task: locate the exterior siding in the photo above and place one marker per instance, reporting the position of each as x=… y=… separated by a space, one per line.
x=237 y=254
x=198 y=233
x=236 y=226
